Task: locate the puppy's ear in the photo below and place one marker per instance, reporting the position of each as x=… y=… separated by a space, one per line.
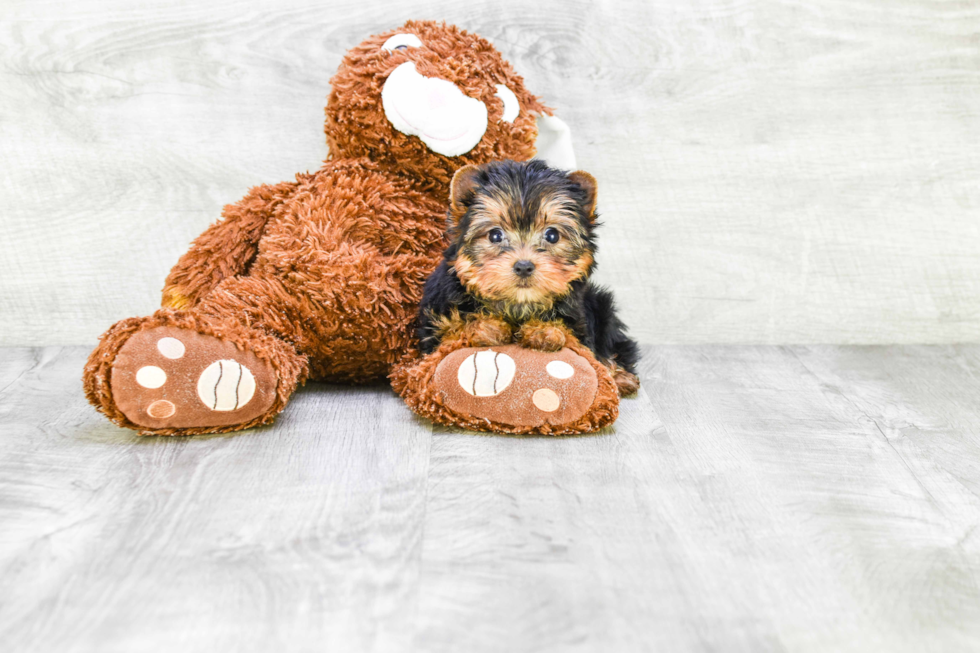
x=587 y=183
x=461 y=190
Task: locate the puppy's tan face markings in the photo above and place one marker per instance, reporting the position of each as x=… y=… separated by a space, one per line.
x=505 y=228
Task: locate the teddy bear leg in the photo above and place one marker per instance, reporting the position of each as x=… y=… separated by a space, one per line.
x=182 y=373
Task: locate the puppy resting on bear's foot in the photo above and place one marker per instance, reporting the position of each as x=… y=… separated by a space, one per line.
x=523 y=249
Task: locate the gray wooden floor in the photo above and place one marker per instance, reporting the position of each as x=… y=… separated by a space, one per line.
x=751 y=499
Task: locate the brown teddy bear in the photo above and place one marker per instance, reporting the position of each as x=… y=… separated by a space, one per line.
x=321 y=277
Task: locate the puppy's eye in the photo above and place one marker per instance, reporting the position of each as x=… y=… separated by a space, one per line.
x=495 y=235
x=551 y=235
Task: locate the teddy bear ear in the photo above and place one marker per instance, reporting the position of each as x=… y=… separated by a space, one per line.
x=587 y=183
x=461 y=190
x=554 y=143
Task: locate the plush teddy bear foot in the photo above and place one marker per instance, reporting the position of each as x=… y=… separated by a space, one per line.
x=172 y=378
x=182 y=373
x=511 y=389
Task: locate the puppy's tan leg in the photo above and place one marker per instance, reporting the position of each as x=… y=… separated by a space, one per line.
x=488 y=331
x=543 y=336
x=476 y=330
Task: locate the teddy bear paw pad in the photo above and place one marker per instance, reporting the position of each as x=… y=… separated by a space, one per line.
x=168 y=377
x=517 y=386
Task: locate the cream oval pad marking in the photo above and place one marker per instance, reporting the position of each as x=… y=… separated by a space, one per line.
x=486 y=373
x=559 y=370
x=161 y=409
x=171 y=348
x=225 y=385
x=151 y=377
x=546 y=400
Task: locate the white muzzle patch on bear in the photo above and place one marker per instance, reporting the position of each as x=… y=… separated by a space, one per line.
x=447 y=120
x=451 y=123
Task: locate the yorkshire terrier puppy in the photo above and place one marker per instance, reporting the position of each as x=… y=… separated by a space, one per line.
x=523 y=249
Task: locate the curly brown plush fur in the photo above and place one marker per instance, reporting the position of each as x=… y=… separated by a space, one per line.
x=325 y=273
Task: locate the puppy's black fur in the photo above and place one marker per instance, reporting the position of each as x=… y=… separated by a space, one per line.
x=586 y=309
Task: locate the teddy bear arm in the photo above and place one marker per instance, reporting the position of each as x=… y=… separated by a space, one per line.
x=226 y=248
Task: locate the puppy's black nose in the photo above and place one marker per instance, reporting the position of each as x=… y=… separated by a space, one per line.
x=523 y=268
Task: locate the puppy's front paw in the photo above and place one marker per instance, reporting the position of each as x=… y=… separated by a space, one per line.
x=543 y=336
x=488 y=332
x=627 y=383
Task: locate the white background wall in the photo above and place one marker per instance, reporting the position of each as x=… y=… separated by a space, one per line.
x=798 y=171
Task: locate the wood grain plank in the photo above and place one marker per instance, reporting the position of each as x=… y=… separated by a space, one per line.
x=789 y=171
x=838 y=536
x=802 y=498
x=742 y=504
x=302 y=536
x=550 y=544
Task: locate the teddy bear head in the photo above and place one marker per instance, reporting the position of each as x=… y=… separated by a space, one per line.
x=428 y=98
